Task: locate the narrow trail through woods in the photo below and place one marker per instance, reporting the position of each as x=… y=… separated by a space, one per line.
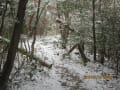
x=67 y=72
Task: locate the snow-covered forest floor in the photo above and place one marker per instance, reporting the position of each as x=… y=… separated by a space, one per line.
x=67 y=73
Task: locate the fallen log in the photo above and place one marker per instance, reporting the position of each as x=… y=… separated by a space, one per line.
x=28 y=54
x=72 y=48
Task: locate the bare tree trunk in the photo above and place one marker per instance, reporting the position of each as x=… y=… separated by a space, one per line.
x=35 y=29
x=83 y=56
x=30 y=22
x=3 y=18
x=93 y=27
x=7 y=68
x=102 y=47
x=66 y=30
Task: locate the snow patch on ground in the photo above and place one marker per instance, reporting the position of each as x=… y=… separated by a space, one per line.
x=67 y=73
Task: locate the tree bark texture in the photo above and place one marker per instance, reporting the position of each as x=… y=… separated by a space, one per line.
x=7 y=68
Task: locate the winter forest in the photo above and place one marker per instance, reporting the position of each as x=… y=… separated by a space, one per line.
x=59 y=44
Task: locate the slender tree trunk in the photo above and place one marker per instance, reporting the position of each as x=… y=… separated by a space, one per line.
x=93 y=27
x=13 y=45
x=35 y=29
x=30 y=22
x=83 y=56
x=102 y=46
x=3 y=18
x=65 y=32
